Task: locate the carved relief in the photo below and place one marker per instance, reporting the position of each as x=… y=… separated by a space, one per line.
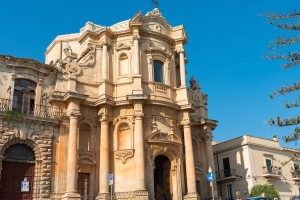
x=155 y=27
x=123 y=46
x=154 y=47
x=124 y=155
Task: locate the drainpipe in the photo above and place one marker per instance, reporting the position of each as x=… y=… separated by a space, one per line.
x=219 y=174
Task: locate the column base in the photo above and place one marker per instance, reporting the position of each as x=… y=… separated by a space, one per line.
x=71 y=196
x=192 y=196
x=103 y=196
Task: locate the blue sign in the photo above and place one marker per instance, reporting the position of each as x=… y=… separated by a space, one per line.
x=111 y=179
x=210 y=177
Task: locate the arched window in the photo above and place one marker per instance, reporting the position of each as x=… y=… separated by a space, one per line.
x=158 y=71
x=123 y=64
x=24 y=95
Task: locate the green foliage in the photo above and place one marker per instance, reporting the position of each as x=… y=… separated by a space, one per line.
x=12 y=113
x=284 y=48
x=266 y=190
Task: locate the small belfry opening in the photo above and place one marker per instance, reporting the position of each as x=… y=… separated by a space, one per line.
x=162 y=178
x=17 y=175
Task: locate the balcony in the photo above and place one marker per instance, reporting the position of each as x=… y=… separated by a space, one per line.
x=14 y=109
x=226 y=175
x=272 y=172
x=160 y=91
x=296 y=176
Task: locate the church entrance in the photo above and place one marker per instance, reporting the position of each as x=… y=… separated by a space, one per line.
x=162 y=178
x=17 y=173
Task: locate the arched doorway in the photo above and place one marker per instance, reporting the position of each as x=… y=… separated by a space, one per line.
x=162 y=178
x=17 y=174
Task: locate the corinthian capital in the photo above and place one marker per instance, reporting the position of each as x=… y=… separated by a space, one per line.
x=104 y=43
x=180 y=51
x=136 y=37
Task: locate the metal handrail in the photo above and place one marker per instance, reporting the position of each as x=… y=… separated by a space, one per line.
x=17 y=109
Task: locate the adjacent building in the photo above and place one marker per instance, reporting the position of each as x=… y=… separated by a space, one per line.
x=246 y=161
x=110 y=106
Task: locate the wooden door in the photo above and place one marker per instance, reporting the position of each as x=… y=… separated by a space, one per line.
x=13 y=175
x=83 y=185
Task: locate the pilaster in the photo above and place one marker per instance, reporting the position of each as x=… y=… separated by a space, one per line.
x=209 y=154
x=190 y=163
x=137 y=78
x=140 y=189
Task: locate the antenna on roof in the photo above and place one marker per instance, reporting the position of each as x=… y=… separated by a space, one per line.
x=155 y=2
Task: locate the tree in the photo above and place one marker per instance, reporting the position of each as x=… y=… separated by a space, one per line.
x=285 y=49
x=264 y=190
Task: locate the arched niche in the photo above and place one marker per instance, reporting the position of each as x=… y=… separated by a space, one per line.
x=123 y=64
x=124 y=136
x=85 y=137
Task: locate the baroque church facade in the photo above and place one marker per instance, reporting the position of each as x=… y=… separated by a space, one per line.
x=109 y=100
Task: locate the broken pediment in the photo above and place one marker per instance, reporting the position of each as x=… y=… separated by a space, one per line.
x=165 y=138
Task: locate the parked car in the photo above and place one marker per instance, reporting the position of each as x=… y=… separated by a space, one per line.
x=259 y=198
x=296 y=197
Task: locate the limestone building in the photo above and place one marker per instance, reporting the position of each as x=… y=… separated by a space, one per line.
x=109 y=100
x=246 y=161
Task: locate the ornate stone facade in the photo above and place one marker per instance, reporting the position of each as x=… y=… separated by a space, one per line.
x=110 y=100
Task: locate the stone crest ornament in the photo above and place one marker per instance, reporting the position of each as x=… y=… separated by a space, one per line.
x=124 y=155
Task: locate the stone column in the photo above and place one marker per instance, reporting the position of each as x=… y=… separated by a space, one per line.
x=182 y=68
x=104 y=61
x=139 y=152
x=71 y=190
x=190 y=163
x=136 y=54
x=104 y=161
x=210 y=156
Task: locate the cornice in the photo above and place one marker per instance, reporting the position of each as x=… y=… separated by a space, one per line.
x=11 y=61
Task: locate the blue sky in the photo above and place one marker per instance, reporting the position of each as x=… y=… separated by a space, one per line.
x=227 y=41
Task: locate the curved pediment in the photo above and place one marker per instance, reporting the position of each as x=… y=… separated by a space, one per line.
x=164 y=138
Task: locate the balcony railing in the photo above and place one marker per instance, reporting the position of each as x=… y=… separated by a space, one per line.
x=226 y=174
x=272 y=172
x=296 y=175
x=17 y=109
x=161 y=90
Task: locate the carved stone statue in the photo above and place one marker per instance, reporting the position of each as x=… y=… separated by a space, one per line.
x=193 y=84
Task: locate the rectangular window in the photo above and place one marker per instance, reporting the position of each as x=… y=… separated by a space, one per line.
x=229 y=192
x=226 y=167
x=158 y=71
x=269 y=165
